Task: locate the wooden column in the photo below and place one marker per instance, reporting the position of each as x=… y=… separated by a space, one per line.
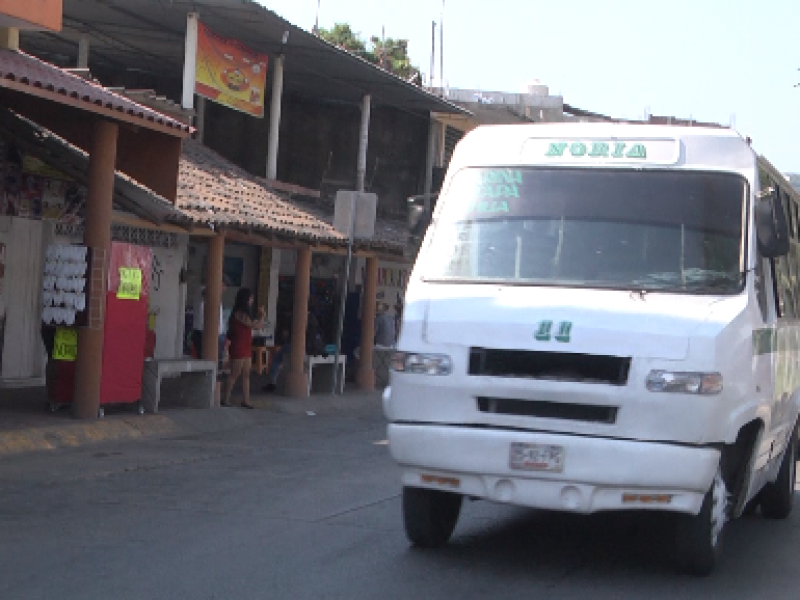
x=213 y=302
x=97 y=236
x=366 y=371
x=296 y=378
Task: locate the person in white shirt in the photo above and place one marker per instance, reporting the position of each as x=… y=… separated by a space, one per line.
x=198 y=316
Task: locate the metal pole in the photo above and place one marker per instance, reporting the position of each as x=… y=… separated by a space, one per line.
x=275 y=119
x=441 y=49
x=432 y=128
x=83 y=52
x=200 y=119
x=360 y=177
x=343 y=295
x=190 y=61
x=361 y=173
x=433 y=54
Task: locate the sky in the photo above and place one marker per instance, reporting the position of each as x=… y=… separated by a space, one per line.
x=726 y=61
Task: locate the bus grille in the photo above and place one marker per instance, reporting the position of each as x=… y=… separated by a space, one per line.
x=549 y=410
x=555 y=366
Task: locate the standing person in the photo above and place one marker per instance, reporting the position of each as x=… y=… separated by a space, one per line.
x=315 y=346
x=198 y=316
x=48 y=333
x=384 y=326
x=240 y=332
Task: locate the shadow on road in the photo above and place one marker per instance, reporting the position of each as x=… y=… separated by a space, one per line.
x=523 y=543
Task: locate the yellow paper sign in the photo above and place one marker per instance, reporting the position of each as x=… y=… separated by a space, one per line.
x=66 y=346
x=130 y=283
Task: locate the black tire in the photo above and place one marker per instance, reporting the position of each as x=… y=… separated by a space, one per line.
x=751 y=507
x=430 y=516
x=777 y=498
x=698 y=539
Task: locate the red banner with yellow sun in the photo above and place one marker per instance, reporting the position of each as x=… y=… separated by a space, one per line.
x=230 y=73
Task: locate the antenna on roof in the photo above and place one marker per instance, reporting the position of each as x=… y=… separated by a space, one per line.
x=441 y=49
x=433 y=54
x=316 y=22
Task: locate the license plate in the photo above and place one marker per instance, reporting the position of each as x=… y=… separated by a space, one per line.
x=536 y=457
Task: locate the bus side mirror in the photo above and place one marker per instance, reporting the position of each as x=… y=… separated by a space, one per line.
x=772 y=230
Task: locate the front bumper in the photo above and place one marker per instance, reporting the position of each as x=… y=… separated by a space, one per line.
x=598 y=474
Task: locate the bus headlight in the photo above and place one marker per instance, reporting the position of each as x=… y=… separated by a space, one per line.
x=423 y=364
x=677 y=382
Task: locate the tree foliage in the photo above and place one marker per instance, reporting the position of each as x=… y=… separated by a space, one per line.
x=390 y=54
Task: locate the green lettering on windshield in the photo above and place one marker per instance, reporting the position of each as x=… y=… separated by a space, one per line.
x=638 y=151
x=599 y=149
x=564 y=332
x=577 y=149
x=556 y=149
x=543 y=332
x=591 y=149
x=490 y=206
x=497 y=184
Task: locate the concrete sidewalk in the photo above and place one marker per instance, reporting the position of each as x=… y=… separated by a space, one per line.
x=27 y=426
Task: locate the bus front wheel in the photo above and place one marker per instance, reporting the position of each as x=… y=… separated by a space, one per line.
x=698 y=542
x=430 y=516
x=777 y=498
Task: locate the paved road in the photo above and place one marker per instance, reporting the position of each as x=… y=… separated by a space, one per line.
x=301 y=507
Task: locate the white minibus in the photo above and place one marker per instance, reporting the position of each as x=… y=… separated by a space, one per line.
x=602 y=317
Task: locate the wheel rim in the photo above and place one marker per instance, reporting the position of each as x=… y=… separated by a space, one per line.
x=719 y=497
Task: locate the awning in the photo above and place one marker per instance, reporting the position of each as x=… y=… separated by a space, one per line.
x=23 y=73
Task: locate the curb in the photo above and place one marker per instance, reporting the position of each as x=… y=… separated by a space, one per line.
x=76 y=435
x=189 y=421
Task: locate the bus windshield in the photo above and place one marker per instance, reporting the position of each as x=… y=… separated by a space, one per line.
x=642 y=230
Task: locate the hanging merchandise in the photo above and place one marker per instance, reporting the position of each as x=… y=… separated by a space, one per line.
x=64 y=285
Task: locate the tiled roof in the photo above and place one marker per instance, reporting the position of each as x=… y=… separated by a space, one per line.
x=212 y=190
x=30 y=71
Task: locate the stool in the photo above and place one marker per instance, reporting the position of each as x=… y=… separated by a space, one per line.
x=260 y=359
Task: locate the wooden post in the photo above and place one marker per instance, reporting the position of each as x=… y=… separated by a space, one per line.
x=97 y=235
x=296 y=378
x=366 y=371
x=213 y=301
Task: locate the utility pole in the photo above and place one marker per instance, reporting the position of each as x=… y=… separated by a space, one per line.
x=441 y=49
x=433 y=54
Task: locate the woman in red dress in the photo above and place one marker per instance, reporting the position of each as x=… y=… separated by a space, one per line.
x=240 y=333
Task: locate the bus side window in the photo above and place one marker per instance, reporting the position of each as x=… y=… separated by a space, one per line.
x=782 y=286
x=776 y=289
x=790 y=215
x=761 y=287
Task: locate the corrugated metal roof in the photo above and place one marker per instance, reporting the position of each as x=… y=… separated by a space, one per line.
x=38 y=75
x=148 y=36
